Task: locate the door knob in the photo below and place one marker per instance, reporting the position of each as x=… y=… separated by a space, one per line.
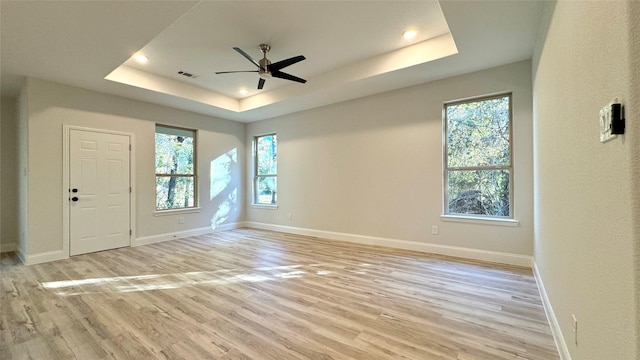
x=75 y=198
x=74 y=190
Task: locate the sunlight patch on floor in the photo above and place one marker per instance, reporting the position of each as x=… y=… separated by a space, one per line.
x=150 y=282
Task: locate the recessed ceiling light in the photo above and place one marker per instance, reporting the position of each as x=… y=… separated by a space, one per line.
x=141 y=59
x=243 y=91
x=409 y=34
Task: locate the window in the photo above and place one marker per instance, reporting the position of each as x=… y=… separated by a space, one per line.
x=175 y=168
x=478 y=174
x=265 y=180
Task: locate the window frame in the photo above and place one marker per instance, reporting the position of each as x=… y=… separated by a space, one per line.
x=195 y=206
x=447 y=169
x=256 y=175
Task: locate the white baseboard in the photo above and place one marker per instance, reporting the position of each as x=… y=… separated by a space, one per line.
x=563 y=351
x=467 y=253
x=183 y=234
x=60 y=254
x=8 y=247
x=42 y=257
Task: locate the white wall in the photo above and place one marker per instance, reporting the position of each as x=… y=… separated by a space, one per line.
x=633 y=107
x=7 y=111
x=8 y=175
x=372 y=167
x=22 y=137
x=51 y=105
x=587 y=243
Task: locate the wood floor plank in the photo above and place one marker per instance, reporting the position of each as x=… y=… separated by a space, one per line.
x=251 y=294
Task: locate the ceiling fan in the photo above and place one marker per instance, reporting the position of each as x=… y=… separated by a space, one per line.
x=266 y=69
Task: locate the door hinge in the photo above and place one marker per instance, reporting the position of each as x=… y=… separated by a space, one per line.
x=130 y=232
x=130 y=190
x=129 y=147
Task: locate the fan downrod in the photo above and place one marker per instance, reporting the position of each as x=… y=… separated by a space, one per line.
x=264 y=62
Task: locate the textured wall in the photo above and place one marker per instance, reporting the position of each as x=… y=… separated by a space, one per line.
x=633 y=114
x=8 y=175
x=7 y=110
x=22 y=136
x=586 y=231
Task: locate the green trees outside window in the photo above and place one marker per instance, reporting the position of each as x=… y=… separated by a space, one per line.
x=175 y=168
x=265 y=181
x=478 y=160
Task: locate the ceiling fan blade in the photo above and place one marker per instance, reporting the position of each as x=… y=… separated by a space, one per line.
x=283 y=75
x=261 y=83
x=284 y=63
x=232 y=72
x=247 y=56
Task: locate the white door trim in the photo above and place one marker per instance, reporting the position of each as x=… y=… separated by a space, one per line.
x=66 y=185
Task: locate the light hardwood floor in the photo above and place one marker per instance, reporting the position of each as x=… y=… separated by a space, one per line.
x=249 y=294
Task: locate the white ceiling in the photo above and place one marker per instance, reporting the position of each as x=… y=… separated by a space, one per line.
x=353 y=48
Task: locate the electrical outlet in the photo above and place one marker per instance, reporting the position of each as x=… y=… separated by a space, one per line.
x=289 y=216
x=435 y=230
x=574 y=328
x=181 y=219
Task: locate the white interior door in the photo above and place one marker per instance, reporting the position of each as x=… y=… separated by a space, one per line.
x=99 y=191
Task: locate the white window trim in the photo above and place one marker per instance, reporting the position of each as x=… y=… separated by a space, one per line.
x=167 y=212
x=481 y=220
x=445 y=169
x=196 y=193
x=254 y=204
x=265 y=206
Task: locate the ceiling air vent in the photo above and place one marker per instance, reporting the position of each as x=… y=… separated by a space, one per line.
x=189 y=75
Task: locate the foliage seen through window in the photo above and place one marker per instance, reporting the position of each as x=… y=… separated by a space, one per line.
x=478 y=157
x=266 y=170
x=175 y=168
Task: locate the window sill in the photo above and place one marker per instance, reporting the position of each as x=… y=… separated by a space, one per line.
x=176 y=211
x=264 y=206
x=480 y=220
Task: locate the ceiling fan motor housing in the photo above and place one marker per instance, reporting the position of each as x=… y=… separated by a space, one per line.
x=268 y=70
x=264 y=68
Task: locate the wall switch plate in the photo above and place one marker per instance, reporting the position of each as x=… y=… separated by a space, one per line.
x=611 y=121
x=435 y=230
x=605 y=124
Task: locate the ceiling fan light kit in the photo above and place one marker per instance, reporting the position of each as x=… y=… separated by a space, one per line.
x=266 y=69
